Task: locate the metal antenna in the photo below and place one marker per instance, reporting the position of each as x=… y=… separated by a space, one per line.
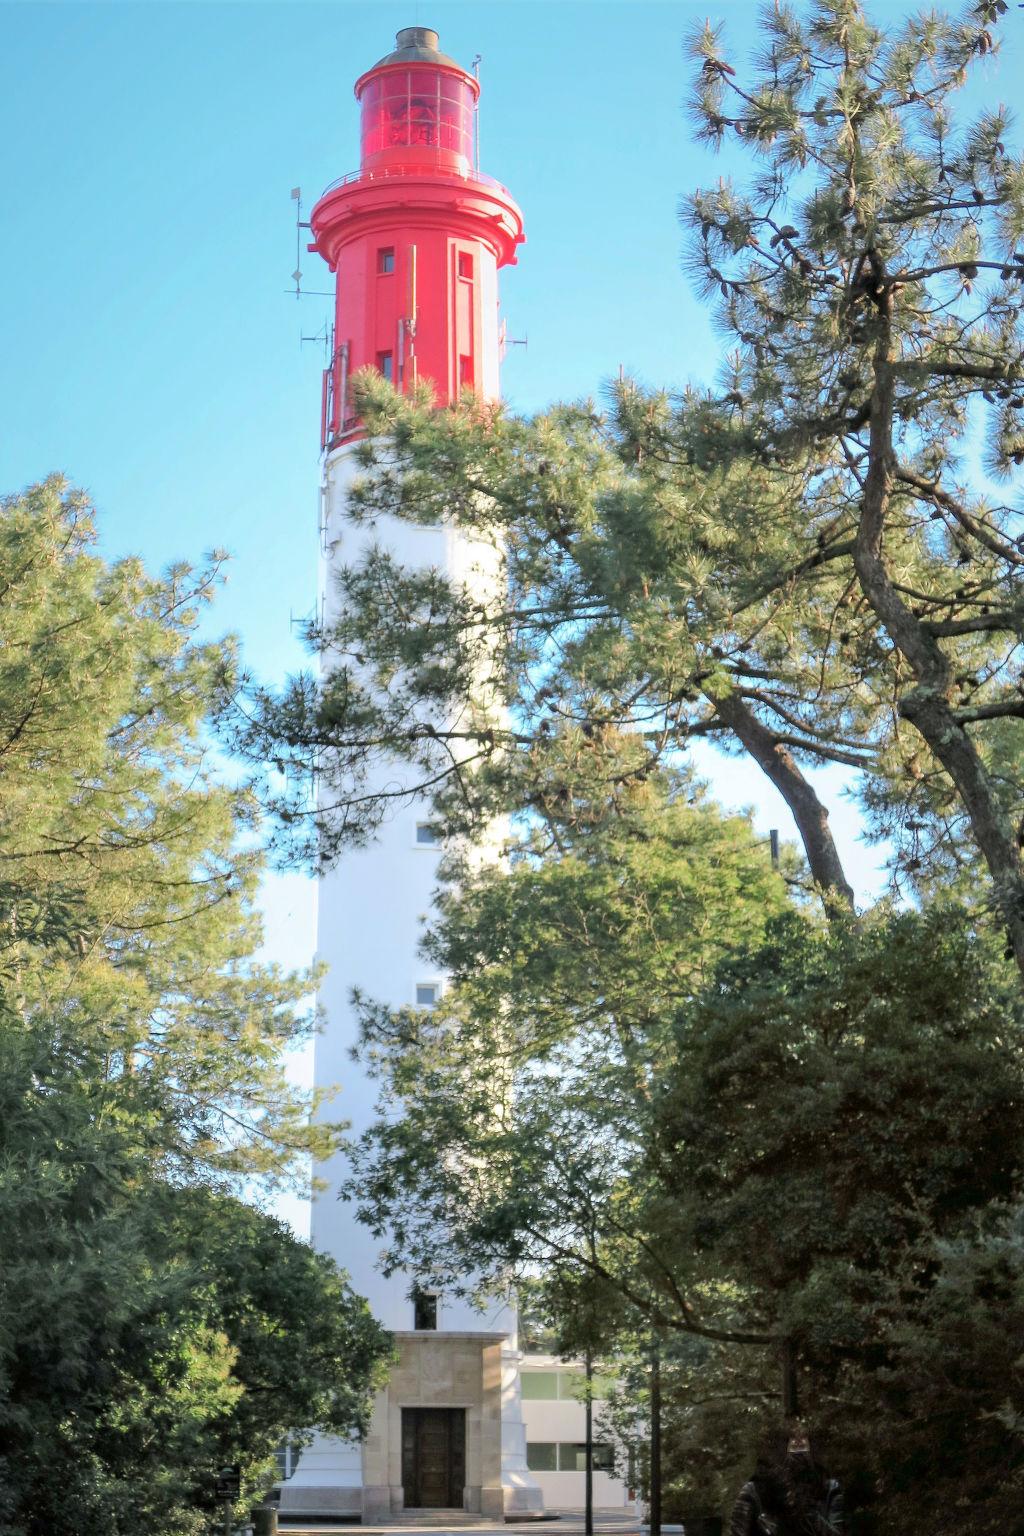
x=475 y=67
x=297 y=274
x=300 y=225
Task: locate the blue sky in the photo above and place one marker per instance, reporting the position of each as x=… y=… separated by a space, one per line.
x=148 y=346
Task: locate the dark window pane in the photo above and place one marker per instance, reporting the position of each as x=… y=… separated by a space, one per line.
x=541 y=1456
x=424 y=1308
x=572 y=1458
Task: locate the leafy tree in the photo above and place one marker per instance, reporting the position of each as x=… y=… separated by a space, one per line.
x=516 y=1116
x=150 y=1331
x=804 y=564
x=118 y=836
x=869 y=277
x=823 y=1152
x=151 y=1325
x=807 y=565
x=845 y=1122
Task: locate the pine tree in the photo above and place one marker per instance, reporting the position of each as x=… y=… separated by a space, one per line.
x=128 y=866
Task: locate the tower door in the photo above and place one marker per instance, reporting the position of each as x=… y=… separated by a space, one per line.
x=433 y=1457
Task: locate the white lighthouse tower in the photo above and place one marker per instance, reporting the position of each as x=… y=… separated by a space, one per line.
x=415 y=238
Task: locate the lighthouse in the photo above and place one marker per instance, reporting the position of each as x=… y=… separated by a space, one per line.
x=414 y=238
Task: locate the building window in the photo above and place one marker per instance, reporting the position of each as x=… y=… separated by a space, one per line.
x=465 y=372
x=546 y=1456
x=287 y=1457
x=568 y=1386
x=386 y=259
x=428 y=994
x=424 y=1311
x=603 y=1457
x=542 y=1456
x=573 y=1384
x=465 y=264
x=428 y=835
x=539 y=1385
x=386 y=365
x=573 y=1458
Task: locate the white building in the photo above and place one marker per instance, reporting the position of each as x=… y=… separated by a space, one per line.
x=554 y=1412
x=415 y=239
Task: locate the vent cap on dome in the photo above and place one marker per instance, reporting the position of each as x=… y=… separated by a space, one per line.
x=417 y=45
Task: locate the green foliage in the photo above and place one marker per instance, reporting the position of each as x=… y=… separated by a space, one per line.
x=714 y=1402
x=127 y=870
x=845 y=1121
x=152 y=1327
x=869 y=276
x=838 y=1095
x=802 y=565
x=516 y=1115
x=149 y=1332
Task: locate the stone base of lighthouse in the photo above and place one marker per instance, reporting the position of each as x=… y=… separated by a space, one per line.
x=446 y=1433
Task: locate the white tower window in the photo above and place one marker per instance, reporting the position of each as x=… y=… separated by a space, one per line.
x=428 y=994
x=424 y=1311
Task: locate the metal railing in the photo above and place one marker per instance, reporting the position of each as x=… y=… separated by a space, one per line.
x=395 y=172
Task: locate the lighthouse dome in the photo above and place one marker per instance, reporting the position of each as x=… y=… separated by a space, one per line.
x=416 y=45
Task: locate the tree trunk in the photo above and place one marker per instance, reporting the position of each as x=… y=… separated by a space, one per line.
x=810 y=815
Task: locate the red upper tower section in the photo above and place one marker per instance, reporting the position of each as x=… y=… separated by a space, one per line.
x=415 y=236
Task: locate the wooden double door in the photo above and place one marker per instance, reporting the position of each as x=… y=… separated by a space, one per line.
x=433 y=1457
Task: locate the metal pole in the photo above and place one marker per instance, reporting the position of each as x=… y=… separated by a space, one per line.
x=654 y=1517
x=588 y=1485
x=790 y=1384
x=229 y=1521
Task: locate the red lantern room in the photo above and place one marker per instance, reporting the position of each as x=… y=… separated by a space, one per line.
x=415 y=237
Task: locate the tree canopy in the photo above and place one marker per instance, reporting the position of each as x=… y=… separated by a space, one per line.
x=804 y=564
x=128 y=866
x=152 y=1325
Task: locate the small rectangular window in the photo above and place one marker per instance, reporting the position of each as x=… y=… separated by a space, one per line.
x=542 y=1456
x=572 y=1458
x=424 y=1311
x=386 y=259
x=465 y=372
x=465 y=264
x=427 y=994
x=603 y=1458
x=428 y=835
x=539 y=1385
x=287 y=1457
x=386 y=365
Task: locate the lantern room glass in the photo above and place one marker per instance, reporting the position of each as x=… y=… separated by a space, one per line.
x=417 y=109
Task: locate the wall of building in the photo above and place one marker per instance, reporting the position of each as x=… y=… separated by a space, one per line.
x=556 y=1431
x=372 y=908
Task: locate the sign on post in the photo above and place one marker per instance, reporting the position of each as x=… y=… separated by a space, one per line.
x=229 y=1483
